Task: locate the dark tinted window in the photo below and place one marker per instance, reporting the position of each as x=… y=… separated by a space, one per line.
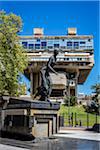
x=76 y=43
x=31 y=46
x=69 y=43
x=50 y=47
x=56 y=45
x=37 y=46
x=43 y=43
x=38 y=40
x=24 y=44
x=82 y=42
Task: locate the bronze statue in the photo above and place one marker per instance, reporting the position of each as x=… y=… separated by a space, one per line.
x=45 y=88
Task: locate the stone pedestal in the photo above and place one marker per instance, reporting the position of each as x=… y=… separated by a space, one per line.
x=36 y=118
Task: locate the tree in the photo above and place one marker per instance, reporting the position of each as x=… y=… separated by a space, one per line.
x=73 y=101
x=96 y=90
x=96 y=97
x=94 y=106
x=13 y=58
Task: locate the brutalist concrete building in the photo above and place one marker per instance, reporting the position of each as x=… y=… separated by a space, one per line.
x=74 y=62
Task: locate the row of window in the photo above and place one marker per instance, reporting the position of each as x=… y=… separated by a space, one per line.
x=81 y=42
x=43 y=45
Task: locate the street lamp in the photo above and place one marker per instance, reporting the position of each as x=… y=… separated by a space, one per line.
x=68 y=94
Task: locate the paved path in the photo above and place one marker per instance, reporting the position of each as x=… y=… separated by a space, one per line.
x=8 y=147
x=77 y=134
x=64 y=140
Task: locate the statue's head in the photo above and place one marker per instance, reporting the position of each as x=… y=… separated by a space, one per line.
x=56 y=52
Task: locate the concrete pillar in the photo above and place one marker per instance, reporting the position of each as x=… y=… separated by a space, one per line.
x=31 y=82
x=76 y=82
x=76 y=88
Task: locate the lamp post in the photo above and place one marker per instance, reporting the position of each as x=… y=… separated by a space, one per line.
x=70 y=76
x=69 y=117
x=68 y=94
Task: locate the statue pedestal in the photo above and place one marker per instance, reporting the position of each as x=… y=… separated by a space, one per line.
x=46 y=118
x=31 y=117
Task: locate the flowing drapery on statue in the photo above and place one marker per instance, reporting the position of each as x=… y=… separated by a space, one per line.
x=45 y=88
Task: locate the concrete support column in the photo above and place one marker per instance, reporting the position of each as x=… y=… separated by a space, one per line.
x=76 y=88
x=34 y=81
x=31 y=82
x=76 y=82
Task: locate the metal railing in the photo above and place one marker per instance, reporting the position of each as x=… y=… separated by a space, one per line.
x=86 y=120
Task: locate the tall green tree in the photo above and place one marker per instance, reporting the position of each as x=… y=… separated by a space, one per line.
x=94 y=105
x=13 y=58
x=96 y=91
x=96 y=97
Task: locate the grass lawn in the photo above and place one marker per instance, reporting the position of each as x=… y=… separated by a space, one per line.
x=81 y=115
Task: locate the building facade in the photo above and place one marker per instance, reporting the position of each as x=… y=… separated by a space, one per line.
x=74 y=62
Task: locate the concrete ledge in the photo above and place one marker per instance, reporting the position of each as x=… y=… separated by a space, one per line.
x=33 y=104
x=30 y=117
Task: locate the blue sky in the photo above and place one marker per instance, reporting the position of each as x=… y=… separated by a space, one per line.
x=55 y=17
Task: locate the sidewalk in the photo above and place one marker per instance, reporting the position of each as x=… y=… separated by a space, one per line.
x=78 y=134
x=8 y=147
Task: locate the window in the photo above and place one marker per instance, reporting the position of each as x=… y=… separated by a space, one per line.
x=31 y=46
x=43 y=45
x=50 y=47
x=24 y=44
x=76 y=45
x=82 y=42
x=63 y=47
x=56 y=45
x=69 y=43
x=37 y=46
x=38 y=40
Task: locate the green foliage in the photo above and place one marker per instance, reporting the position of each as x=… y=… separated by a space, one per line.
x=22 y=89
x=96 y=90
x=94 y=106
x=72 y=99
x=12 y=56
x=81 y=115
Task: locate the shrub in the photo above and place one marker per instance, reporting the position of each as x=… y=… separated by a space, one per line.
x=72 y=101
